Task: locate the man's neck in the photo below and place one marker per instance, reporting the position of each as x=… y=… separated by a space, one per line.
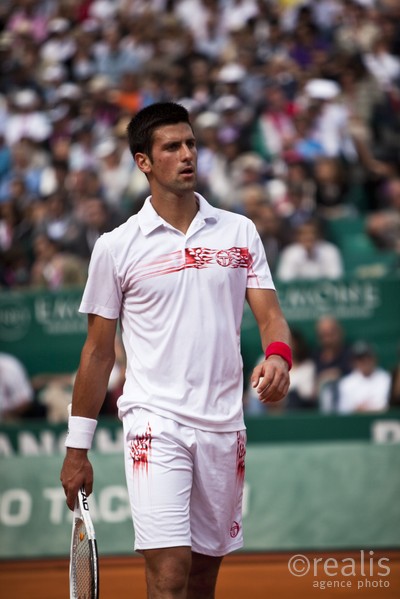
x=178 y=211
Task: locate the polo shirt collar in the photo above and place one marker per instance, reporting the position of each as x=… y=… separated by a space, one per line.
x=149 y=220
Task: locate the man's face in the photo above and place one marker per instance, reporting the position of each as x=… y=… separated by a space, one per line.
x=172 y=164
x=307 y=236
x=365 y=364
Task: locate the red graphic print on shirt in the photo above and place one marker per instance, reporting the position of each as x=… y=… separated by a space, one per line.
x=194 y=257
x=234 y=257
x=140 y=448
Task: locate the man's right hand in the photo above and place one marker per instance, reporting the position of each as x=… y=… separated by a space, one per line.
x=76 y=472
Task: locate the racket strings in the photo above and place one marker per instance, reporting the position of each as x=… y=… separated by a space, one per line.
x=82 y=567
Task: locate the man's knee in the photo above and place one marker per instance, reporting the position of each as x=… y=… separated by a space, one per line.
x=203 y=576
x=167 y=570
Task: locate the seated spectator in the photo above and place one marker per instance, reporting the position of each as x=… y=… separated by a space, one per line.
x=254 y=202
x=367 y=387
x=309 y=257
x=16 y=392
x=299 y=208
x=58 y=222
x=301 y=394
x=383 y=226
x=274 y=128
x=27 y=120
x=395 y=385
x=96 y=218
x=332 y=359
x=333 y=190
x=54 y=269
x=114 y=173
x=383 y=64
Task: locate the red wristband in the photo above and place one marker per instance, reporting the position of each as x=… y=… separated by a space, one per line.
x=278 y=348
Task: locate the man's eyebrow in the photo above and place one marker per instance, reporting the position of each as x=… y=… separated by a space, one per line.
x=177 y=141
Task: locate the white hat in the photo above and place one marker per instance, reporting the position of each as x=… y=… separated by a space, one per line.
x=322 y=89
x=69 y=91
x=227 y=102
x=99 y=83
x=59 y=112
x=207 y=119
x=26 y=98
x=231 y=73
x=106 y=147
x=190 y=104
x=54 y=72
x=58 y=25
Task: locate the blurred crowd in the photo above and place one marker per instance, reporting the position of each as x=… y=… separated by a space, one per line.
x=334 y=377
x=295 y=104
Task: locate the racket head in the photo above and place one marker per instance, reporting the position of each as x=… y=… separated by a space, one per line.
x=83 y=565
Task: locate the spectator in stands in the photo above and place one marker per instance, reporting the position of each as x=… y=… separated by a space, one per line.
x=332 y=357
x=58 y=221
x=96 y=218
x=394 y=400
x=16 y=392
x=301 y=394
x=27 y=120
x=274 y=128
x=333 y=190
x=329 y=118
x=113 y=59
x=309 y=256
x=114 y=173
x=254 y=203
x=54 y=269
x=383 y=226
x=366 y=388
x=382 y=64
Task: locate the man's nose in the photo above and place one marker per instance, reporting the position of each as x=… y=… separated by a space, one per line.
x=186 y=153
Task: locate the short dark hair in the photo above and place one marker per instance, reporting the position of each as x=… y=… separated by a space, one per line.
x=142 y=126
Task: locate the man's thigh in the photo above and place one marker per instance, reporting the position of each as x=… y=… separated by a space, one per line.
x=159 y=474
x=217 y=493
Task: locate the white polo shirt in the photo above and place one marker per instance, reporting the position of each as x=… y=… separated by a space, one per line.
x=180 y=301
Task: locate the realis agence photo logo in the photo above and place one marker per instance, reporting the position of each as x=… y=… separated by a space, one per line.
x=363 y=570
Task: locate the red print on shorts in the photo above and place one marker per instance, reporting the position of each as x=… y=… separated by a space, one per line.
x=140 y=449
x=234 y=529
x=240 y=455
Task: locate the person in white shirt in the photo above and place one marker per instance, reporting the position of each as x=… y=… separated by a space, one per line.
x=176 y=276
x=16 y=391
x=367 y=387
x=309 y=257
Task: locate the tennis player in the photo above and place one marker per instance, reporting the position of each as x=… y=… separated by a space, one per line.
x=176 y=276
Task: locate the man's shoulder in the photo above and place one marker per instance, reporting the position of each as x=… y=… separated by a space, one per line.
x=122 y=232
x=224 y=215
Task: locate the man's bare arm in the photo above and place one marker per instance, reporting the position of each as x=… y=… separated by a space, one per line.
x=272 y=325
x=90 y=387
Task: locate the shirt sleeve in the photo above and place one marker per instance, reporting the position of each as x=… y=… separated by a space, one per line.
x=259 y=274
x=102 y=294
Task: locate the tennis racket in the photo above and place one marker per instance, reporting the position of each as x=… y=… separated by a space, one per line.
x=83 y=565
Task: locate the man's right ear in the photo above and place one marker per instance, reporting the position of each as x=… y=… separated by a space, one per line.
x=143 y=162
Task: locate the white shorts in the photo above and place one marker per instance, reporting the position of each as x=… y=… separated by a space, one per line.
x=185 y=485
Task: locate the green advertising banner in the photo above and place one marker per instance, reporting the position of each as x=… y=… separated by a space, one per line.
x=38 y=437
x=297 y=496
x=45 y=330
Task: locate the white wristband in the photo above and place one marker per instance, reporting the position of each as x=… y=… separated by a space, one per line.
x=80 y=432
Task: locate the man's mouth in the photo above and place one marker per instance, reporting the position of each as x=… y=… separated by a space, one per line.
x=189 y=170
